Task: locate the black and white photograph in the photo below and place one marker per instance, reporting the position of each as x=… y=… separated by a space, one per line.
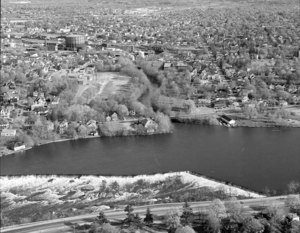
x=150 y=116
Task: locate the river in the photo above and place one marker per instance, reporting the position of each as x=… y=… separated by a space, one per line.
x=249 y=157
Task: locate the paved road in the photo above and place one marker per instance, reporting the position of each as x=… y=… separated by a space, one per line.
x=66 y=224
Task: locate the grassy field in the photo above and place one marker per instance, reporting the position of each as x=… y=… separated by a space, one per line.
x=114 y=83
x=103 y=84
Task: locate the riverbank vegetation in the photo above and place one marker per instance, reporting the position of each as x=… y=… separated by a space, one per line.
x=60 y=196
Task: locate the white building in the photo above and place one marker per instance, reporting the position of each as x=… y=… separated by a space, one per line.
x=8 y=133
x=18 y=148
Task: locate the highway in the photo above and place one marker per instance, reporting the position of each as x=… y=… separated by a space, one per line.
x=66 y=224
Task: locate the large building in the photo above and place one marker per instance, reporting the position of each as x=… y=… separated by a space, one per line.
x=75 y=41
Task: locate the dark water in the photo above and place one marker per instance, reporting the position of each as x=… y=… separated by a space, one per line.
x=253 y=158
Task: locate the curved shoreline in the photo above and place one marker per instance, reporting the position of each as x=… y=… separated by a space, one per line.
x=6 y=151
x=11 y=152
x=248 y=124
x=43 y=160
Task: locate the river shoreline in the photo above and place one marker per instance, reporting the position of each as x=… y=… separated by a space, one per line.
x=6 y=151
x=247 y=123
x=234 y=155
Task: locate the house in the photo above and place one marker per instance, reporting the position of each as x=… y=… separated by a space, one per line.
x=90 y=69
x=35 y=94
x=12 y=96
x=294 y=100
x=82 y=80
x=203 y=102
x=194 y=73
x=11 y=85
x=293 y=217
x=14 y=99
x=131 y=113
x=235 y=104
x=227 y=121
x=19 y=147
x=50 y=126
x=185 y=108
x=41 y=111
x=181 y=65
x=63 y=127
x=167 y=65
x=229 y=224
x=114 y=117
x=216 y=77
x=92 y=125
x=283 y=103
x=8 y=133
x=245 y=99
x=220 y=104
x=52 y=45
x=3 y=124
x=28 y=124
x=292 y=89
x=150 y=125
x=38 y=102
x=5 y=113
x=93 y=133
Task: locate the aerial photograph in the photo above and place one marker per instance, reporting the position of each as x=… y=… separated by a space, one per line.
x=145 y=116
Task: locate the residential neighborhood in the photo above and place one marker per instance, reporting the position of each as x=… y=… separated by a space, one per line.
x=128 y=116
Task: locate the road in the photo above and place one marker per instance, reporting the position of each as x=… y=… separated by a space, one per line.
x=66 y=224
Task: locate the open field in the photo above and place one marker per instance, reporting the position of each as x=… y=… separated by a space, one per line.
x=112 y=83
x=103 y=84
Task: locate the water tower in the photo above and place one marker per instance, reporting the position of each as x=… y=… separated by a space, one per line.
x=74 y=41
